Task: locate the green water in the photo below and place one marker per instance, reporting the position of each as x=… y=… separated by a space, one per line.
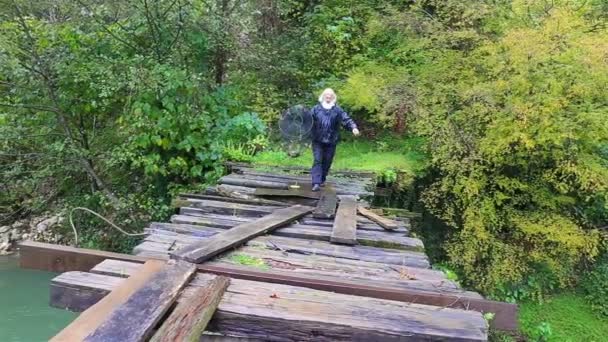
x=25 y=314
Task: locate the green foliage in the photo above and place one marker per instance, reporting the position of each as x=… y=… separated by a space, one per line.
x=106 y=98
x=244 y=127
x=388 y=176
x=238 y=152
x=561 y=318
x=449 y=273
x=512 y=112
x=595 y=286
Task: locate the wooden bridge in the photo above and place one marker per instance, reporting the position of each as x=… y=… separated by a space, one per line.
x=261 y=258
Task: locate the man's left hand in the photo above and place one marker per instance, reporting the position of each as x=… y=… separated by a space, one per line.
x=356 y=132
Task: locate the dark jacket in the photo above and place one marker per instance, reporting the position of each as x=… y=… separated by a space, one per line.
x=327 y=122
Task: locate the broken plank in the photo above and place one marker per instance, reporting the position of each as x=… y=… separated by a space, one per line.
x=145 y=307
x=382 y=221
x=345 y=225
x=89 y=320
x=287 y=193
x=190 y=318
x=236 y=236
x=326 y=207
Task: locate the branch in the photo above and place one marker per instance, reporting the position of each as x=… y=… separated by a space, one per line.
x=34 y=107
x=105 y=28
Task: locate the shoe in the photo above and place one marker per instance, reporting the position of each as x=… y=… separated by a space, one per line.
x=316 y=187
x=323 y=184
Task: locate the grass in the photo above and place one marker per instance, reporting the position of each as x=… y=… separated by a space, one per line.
x=403 y=154
x=565 y=317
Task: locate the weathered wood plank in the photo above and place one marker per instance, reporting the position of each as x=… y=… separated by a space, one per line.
x=326 y=207
x=222 y=220
x=164 y=244
x=279 y=312
x=343 y=183
x=363 y=253
x=345 y=224
x=382 y=221
x=287 y=193
x=252 y=201
x=135 y=319
x=365 y=272
x=239 y=181
x=399 y=212
x=236 y=236
x=229 y=208
x=505 y=313
x=364 y=237
x=190 y=318
x=89 y=320
x=343 y=186
x=245 y=168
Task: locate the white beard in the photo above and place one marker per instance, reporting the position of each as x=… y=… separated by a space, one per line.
x=329 y=105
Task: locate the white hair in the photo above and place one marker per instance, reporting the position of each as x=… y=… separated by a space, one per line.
x=328 y=91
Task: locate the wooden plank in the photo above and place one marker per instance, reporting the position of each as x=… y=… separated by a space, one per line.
x=287 y=313
x=239 y=181
x=89 y=320
x=287 y=193
x=382 y=221
x=364 y=237
x=190 y=318
x=253 y=201
x=135 y=319
x=399 y=212
x=348 y=182
x=238 y=235
x=326 y=207
x=63 y=258
x=345 y=224
x=365 y=272
x=343 y=186
x=165 y=243
x=58 y=258
x=279 y=170
x=223 y=220
x=208 y=206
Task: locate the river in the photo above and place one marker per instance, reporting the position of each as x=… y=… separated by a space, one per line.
x=25 y=314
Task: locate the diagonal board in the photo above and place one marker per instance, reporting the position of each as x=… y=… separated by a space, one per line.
x=326 y=207
x=345 y=224
x=89 y=320
x=383 y=222
x=287 y=193
x=135 y=319
x=204 y=250
x=190 y=318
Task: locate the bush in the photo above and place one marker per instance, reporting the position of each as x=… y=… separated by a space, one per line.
x=595 y=285
x=244 y=128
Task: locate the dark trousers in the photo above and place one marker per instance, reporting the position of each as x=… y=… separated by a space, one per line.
x=323 y=156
